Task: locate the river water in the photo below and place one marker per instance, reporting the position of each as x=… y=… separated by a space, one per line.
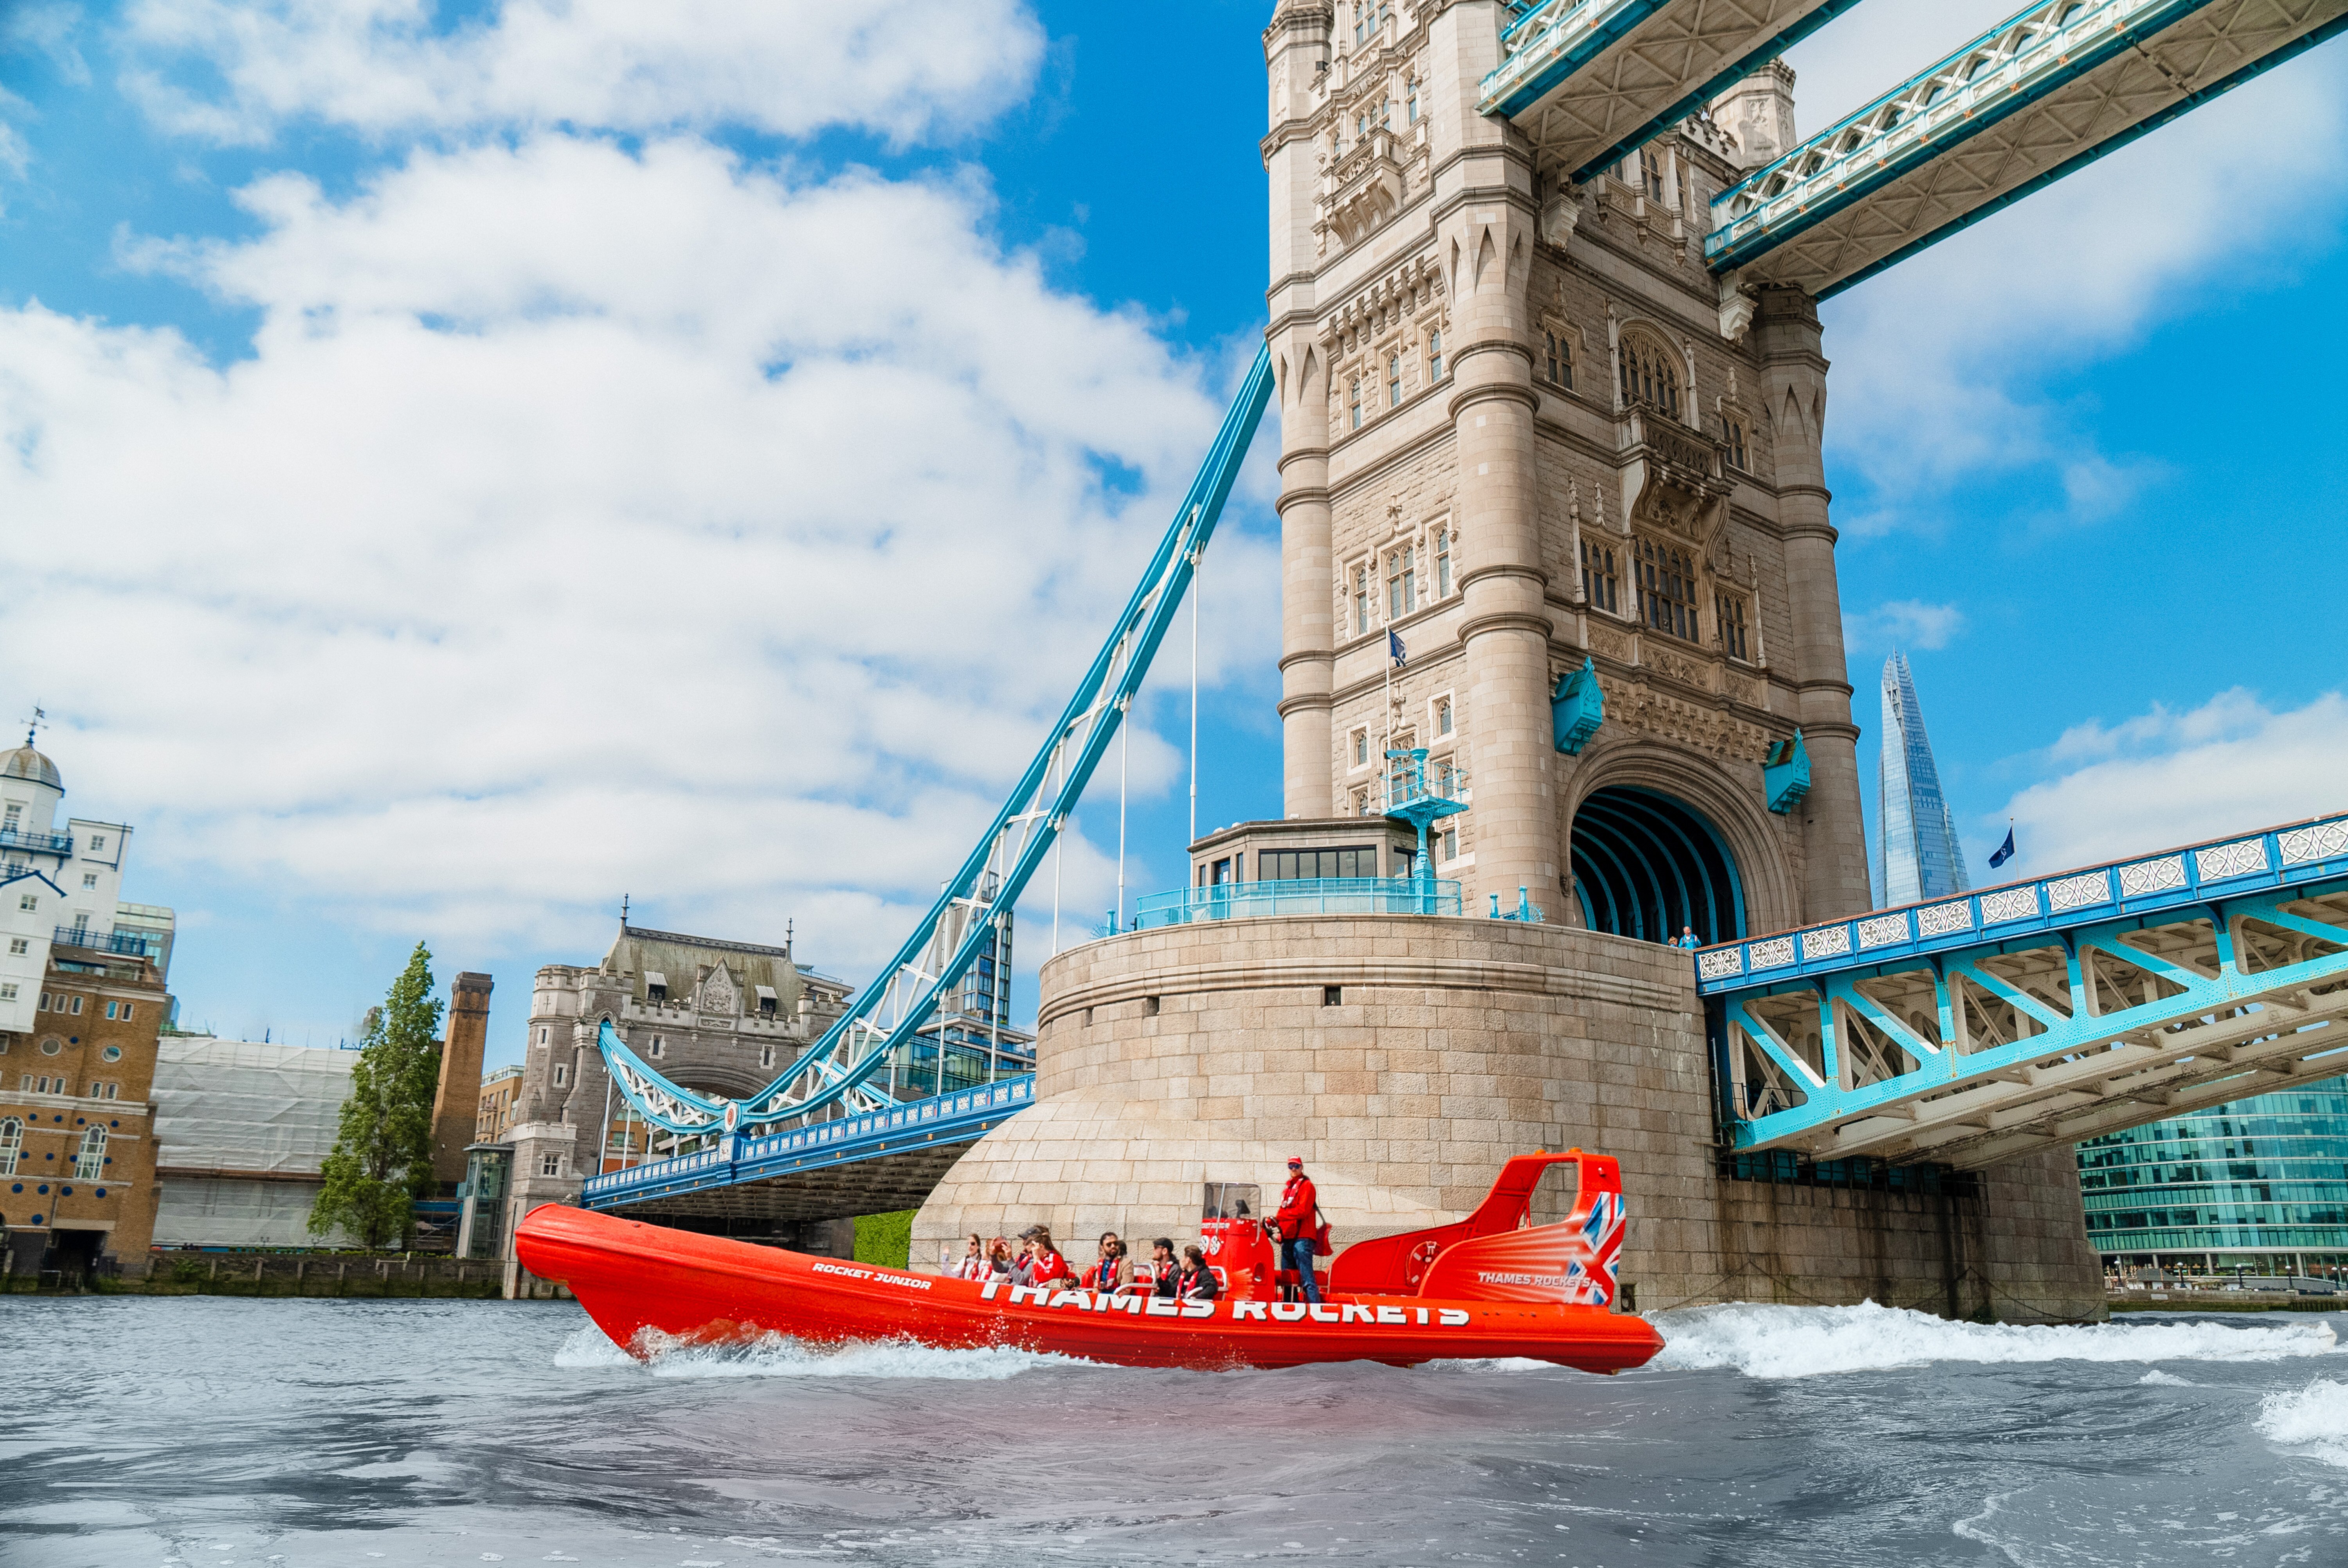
x=207 y=1432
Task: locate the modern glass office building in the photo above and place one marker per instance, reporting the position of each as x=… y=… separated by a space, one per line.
x=2253 y=1184
x=1916 y=852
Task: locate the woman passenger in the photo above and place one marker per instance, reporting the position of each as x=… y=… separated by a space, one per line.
x=974 y=1264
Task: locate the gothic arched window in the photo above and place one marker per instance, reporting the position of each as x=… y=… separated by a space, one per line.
x=1649 y=374
x=12 y=1145
x=1666 y=578
x=90 y=1160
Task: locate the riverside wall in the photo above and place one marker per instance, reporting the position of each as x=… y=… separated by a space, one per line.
x=1404 y=1058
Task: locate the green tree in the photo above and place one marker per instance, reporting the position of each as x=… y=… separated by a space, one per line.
x=382 y=1159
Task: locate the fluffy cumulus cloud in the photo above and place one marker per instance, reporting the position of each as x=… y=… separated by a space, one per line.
x=235 y=70
x=1942 y=364
x=590 y=517
x=2165 y=777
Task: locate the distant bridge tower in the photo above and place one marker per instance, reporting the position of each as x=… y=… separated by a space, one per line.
x=1520 y=431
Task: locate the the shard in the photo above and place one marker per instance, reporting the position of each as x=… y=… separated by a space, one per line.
x=1916 y=852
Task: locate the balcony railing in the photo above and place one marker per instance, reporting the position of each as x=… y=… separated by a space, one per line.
x=1303 y=896
x=37 y=843
x=135 y=944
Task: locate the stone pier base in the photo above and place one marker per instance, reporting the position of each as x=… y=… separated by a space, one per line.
x=1405 y=1057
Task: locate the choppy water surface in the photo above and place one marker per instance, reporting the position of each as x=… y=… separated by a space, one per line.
x=217 y=1433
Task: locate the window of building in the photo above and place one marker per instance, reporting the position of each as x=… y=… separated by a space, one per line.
x=549 y=1165
x=1731 y=431
x=656 y=1049
x=1598 y=576
x=1556 y=358
x=90 y=1160
x=766 y=1056
x=44 y=1006
x=16 y=817
x=1443 y=563
x=52 y=1046
x=1451 y=850
x=1667 y=589
x=97 y=841
x=541 y=1036
x=1361 y=803
x=7 y=992
x=1297 y=865
x=562 y=1074
x=106 y=1090
x=1361 y=748
x=1410 y=102
x=73 y=1006
x=1649 y=376
x=19 y=945
x=1443 y=715
x=1394 y=381
x=26 y=901
x=1732 y=626
x=126 y=1011
x=1361 y=599
x=1361 y=21
x=11 y=1143
x=111 y=1053
x=1654 y=168
x=89 y=879
x=1357 y=403
x=1402 y=583
x=1434 y=358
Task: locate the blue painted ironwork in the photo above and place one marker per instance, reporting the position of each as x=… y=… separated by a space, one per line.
x=2040 y=49
x=1785 y=775
x=37 y=843
x=1556 y=40
x=835 y=1071
x=1656 y=863
x=2077 y=1066
x=1577 y=708
x=1297 y=896
x=942 y=1120
x=1526 y=910
x=119 y=940
x=1420 y=801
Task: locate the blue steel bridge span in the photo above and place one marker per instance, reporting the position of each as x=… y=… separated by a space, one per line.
x=1969 y=1044
x=1973 y=1029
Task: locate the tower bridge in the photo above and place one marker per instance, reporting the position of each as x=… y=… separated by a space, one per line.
x=1550 y=387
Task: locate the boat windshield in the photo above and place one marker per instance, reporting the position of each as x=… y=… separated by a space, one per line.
x=1552 y=1200
x=1232 y=1201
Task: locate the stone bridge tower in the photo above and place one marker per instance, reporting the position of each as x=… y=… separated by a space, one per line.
x=1519 y=432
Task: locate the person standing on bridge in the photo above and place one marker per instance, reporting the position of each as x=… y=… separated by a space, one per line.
x=1297 y=1223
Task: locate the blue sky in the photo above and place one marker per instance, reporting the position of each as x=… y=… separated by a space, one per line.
x=460 y=479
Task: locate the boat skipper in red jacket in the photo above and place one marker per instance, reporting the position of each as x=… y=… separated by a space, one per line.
x=1297 y=1223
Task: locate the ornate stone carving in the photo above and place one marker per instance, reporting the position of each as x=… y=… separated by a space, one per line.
x=1699 y=727
x=717 y=996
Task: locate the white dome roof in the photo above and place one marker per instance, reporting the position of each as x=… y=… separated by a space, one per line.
x=25 y=762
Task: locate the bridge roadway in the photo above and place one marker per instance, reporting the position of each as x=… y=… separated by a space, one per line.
x=1971 y=1031
x=2052 y=89
x=873 y=1163
x=1588 y=80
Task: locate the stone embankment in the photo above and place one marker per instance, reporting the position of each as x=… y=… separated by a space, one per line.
x=292 y=1274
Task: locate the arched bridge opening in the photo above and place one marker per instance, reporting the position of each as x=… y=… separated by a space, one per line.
x=1647 y=865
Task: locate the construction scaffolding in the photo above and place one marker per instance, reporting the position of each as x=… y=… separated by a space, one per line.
x=242 y=1132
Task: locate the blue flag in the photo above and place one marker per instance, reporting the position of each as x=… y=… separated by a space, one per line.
x=2004 y=851
x=1394 y=648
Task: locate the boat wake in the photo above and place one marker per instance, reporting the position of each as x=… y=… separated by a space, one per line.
x=773 y=1356
x=1766 y=1341
x=2314 y=1421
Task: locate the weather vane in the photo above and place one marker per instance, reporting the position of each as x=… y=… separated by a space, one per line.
x=623 y=909
x=34 y=725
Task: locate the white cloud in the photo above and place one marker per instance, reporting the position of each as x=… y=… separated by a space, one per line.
x=588 y=520
x=2164 y=778
x=1941 y=363
x=383 y=68
x=1904 y=623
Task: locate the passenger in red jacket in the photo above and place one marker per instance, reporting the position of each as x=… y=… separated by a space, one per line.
x=1297 y=1223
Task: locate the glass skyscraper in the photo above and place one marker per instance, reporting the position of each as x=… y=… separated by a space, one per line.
x=2263 y=1176
x=1916 y=852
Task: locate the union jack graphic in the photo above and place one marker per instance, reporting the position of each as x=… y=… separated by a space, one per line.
x=1594 y=1258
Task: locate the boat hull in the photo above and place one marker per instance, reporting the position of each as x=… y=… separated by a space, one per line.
x=633 y=1277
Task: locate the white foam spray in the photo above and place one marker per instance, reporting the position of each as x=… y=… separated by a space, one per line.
x=774 y=1355
x=2314 y=1420
x=1765 y=1341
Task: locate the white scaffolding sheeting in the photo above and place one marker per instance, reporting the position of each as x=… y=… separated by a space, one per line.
x=226 y=1106
x=234 y=1105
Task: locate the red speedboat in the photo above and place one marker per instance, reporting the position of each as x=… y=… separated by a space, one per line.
x=1490 y=1285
